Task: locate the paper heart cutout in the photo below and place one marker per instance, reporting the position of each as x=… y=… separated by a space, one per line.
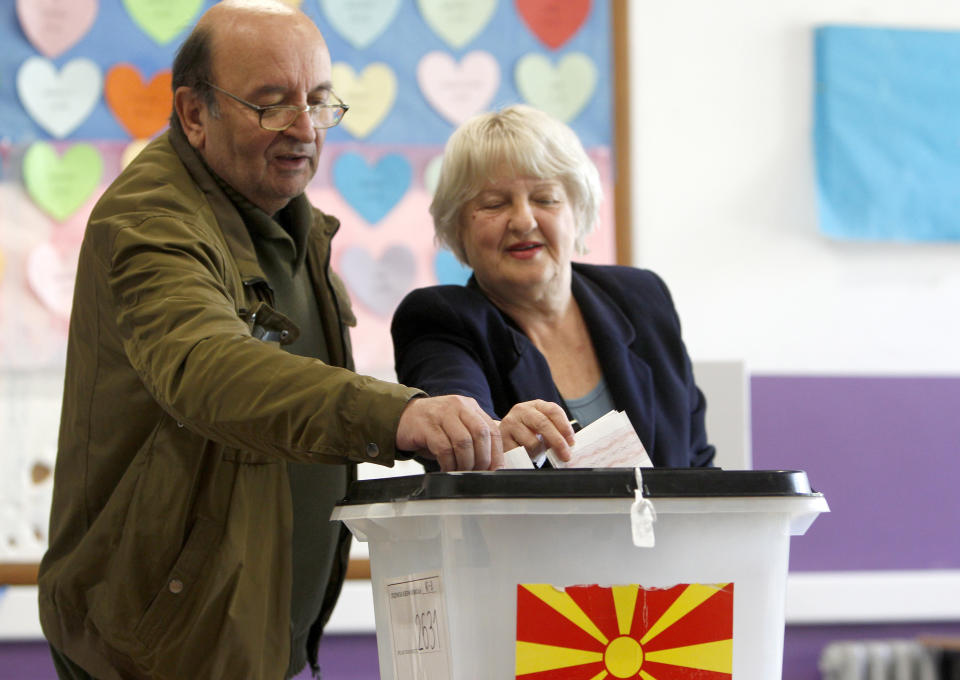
x=554 y=21
x=59 y=102
x=143 y=109
x=59 y=185
x=457 y=22
x=562 y=91
x=132 y=150
x=370 y=95
x=378 y=284
x=51 y=275
x=448 y=269
x=54 y=26
x=458 y=91
x=360 y=23
x=431 y=174
x=162 y=20
x=372 y=191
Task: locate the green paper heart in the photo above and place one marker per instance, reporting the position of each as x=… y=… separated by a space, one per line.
x=163 y=20
x=59 y=185
x=457 y=21
x=562 y=91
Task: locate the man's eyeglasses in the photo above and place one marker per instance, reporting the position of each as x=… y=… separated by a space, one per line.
x=279 y=117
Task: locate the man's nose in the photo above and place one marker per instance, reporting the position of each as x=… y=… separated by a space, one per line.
x=302 y=129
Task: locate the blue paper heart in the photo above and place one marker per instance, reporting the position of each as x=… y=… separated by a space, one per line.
x=449 y=270
x=372 y=191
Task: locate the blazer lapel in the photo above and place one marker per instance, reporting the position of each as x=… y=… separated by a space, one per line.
x=614 y=339
x=526 y=370
x=530 y=377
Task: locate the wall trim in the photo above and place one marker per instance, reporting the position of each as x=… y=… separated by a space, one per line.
x=832 y=597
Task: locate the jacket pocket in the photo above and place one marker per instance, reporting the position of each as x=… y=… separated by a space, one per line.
x=269 y=325
x=181 y=588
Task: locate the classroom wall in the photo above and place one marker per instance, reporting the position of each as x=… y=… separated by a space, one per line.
x=724 y=196
x=833 y=332
x=852 y=347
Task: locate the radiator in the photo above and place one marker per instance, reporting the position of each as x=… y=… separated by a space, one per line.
x=880 y=660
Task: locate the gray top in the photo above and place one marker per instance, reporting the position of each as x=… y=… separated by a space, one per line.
x=597 y=402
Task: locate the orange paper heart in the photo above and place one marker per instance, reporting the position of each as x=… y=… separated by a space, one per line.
x=142 y=109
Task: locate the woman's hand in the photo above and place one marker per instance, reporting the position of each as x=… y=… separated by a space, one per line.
x=537 y=425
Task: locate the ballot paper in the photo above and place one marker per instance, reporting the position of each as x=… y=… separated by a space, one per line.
x=609 y=441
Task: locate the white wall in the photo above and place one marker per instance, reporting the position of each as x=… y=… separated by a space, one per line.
x=724 y=199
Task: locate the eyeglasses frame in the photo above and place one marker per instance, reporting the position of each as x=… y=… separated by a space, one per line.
x=287 y=107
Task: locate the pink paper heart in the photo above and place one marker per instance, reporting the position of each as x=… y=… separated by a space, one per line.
x=54 y=26
x=458 y=91
x=51 y=275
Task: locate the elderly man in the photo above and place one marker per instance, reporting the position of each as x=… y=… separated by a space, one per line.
x=211 y=418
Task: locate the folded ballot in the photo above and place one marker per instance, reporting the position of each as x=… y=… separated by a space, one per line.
x=609 y=441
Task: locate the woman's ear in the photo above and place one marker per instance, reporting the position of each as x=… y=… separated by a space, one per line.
x=192 y=112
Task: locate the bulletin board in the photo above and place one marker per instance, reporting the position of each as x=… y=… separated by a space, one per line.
x=84 y=84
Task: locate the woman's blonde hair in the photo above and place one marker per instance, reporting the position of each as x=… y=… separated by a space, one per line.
x=525 y=142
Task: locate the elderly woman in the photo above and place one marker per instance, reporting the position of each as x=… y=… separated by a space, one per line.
x=536 y=339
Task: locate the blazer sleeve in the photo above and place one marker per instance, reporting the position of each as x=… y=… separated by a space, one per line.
x=439 y=347
x=701 y=452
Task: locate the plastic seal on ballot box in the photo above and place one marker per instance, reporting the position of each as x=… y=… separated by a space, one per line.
x=642 y=516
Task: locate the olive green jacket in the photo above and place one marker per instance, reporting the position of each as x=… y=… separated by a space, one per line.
x=170 y=529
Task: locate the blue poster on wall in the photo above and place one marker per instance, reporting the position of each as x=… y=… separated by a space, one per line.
x=887 y=133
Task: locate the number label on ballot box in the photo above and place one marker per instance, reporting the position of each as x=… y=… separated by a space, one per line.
x=419 y=625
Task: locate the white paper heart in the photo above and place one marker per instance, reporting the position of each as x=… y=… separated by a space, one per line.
x=59 y=102
x=431 y=174
x=360 y=22
x=458 y=91
x=379 y=284
x=51 y=277
x=561 y=91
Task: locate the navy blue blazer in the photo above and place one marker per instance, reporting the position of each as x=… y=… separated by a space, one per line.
x=453 y=340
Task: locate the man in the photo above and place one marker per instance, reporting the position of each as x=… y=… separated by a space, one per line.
x=208 y=373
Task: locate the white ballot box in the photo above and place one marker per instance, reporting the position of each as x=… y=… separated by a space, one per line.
x=524 y=574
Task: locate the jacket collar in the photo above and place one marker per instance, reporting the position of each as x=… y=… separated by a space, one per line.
x=616 y=343
x=619 y=350
x=598 y=309
x=228 y=217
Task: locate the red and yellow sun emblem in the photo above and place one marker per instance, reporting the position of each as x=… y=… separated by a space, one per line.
x=597 y=633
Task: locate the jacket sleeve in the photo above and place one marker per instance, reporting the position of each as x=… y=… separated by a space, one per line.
x=181 y=331
x=701 y=453
x=437 y=350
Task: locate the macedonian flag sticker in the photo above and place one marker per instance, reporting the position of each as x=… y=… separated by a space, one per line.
x=596 y=632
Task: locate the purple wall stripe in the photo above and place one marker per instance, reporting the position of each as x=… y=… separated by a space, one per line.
x=885 y=452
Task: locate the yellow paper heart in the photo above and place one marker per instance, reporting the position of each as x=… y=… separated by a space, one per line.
x=132 y=150
x=370 y=95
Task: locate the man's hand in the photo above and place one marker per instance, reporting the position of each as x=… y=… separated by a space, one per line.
x=452 y=429
x=538 y=425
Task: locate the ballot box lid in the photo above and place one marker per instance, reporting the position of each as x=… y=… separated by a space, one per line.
x=582 y=483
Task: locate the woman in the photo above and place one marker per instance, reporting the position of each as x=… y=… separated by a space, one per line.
x=533 y=337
